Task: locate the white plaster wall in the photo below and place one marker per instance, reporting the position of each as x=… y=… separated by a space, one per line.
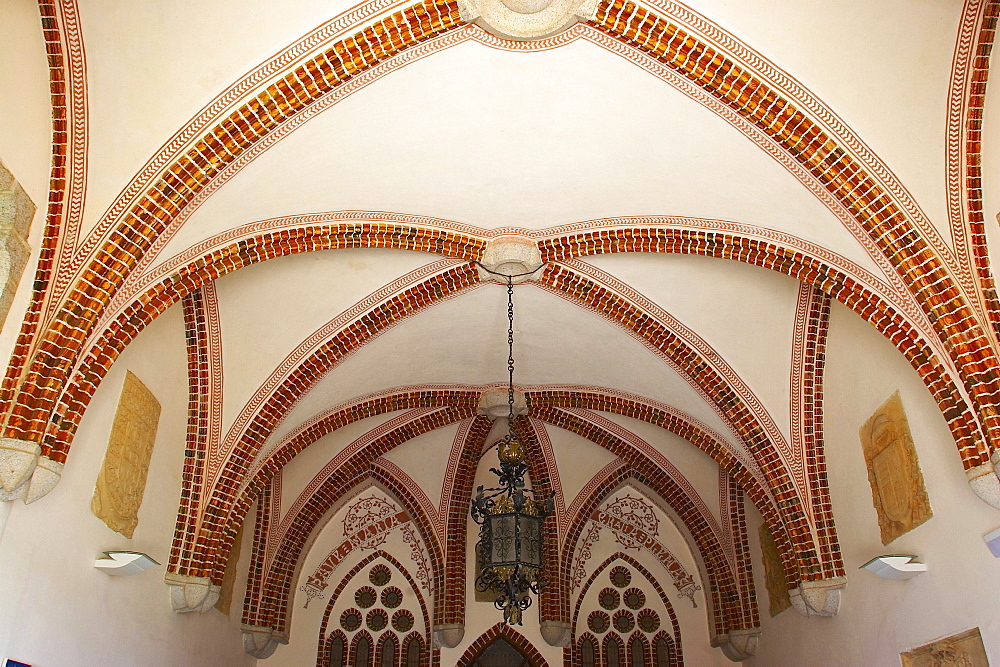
x=879 y=618
x=55 y=608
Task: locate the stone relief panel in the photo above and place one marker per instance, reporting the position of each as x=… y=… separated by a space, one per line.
x=965 y=649
x=122 y=479
x=897 y=484
x=774 y=573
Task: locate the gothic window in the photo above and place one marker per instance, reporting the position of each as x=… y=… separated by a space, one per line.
x=413 y=651
x=500 y=653
x=613 y=652
x=336 y=652
x=662 y=652
x=637 y=649
x=587 y=652
x=362 y=651
x=388 y=658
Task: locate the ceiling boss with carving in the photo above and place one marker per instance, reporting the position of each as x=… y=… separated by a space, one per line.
x=758 y=336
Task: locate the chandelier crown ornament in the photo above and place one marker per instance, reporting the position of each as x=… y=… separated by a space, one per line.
x=510 y=517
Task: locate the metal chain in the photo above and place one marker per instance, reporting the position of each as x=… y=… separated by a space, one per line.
x=510 y=356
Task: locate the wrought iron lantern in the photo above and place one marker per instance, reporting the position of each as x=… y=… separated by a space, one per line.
x=511 y=517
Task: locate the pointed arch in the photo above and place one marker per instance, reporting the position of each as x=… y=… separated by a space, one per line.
x=508 y=634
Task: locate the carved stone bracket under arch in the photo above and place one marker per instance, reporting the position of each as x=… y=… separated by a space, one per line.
x=738 y=645
x=24 y=473
x=189 y=593
x=261 y=642
x=818 y=598
x=984 y=480
x=449 y=635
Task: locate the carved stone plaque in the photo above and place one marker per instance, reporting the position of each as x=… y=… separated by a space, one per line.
x=122 y=480
x=965 y=649
x=774 y=573
x=225 y=601
x=898 y=491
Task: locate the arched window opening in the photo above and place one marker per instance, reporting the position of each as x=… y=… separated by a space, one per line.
x=413 y=651
x=613 y=652
x=362 y=651
x=388 y=657
x=501 y=653
x=335 y=651
x=587 y=652
x=663 y=652
x=637 y=651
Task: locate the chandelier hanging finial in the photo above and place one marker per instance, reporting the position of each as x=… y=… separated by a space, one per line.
x=511 y=517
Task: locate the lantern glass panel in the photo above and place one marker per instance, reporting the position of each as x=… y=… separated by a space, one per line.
x=503 y=542
x=531 y=540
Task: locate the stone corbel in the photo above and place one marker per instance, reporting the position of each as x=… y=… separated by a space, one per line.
x=556 y=633
x=818 y=598
x=984 y=481
x=189 y=593
x=24 y=473
x=449 y=635
x=738 y=645
x=261 y=642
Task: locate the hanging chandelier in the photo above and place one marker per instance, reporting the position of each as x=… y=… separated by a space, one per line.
x=510 y=517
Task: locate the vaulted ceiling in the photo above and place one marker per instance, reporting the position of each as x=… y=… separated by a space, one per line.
x=312 y=186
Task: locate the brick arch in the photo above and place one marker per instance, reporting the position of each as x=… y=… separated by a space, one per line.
x=279 y=577
x=887 y=223
x=722 y=579
x=322 y=656
x=146 y=307
x=185 y=540
x=972 y=446
x=516 y=639
x=31 y=386
x=43 y=359
x=744 y=421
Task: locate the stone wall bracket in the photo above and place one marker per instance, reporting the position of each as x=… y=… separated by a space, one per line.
x=24 y=473
x=188 y=594
x=818 y=598
x=556 y=633
x=449 y=635
x=984 y=480
x=738 y=645
x=260 y=641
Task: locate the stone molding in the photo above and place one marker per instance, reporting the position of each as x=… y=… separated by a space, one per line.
x=818 y=598
x=260 y=641
x=449 y=635
x=24 y=473
x=526 y=19
x=738 y=645
x=511 y=256
x=189 y=593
